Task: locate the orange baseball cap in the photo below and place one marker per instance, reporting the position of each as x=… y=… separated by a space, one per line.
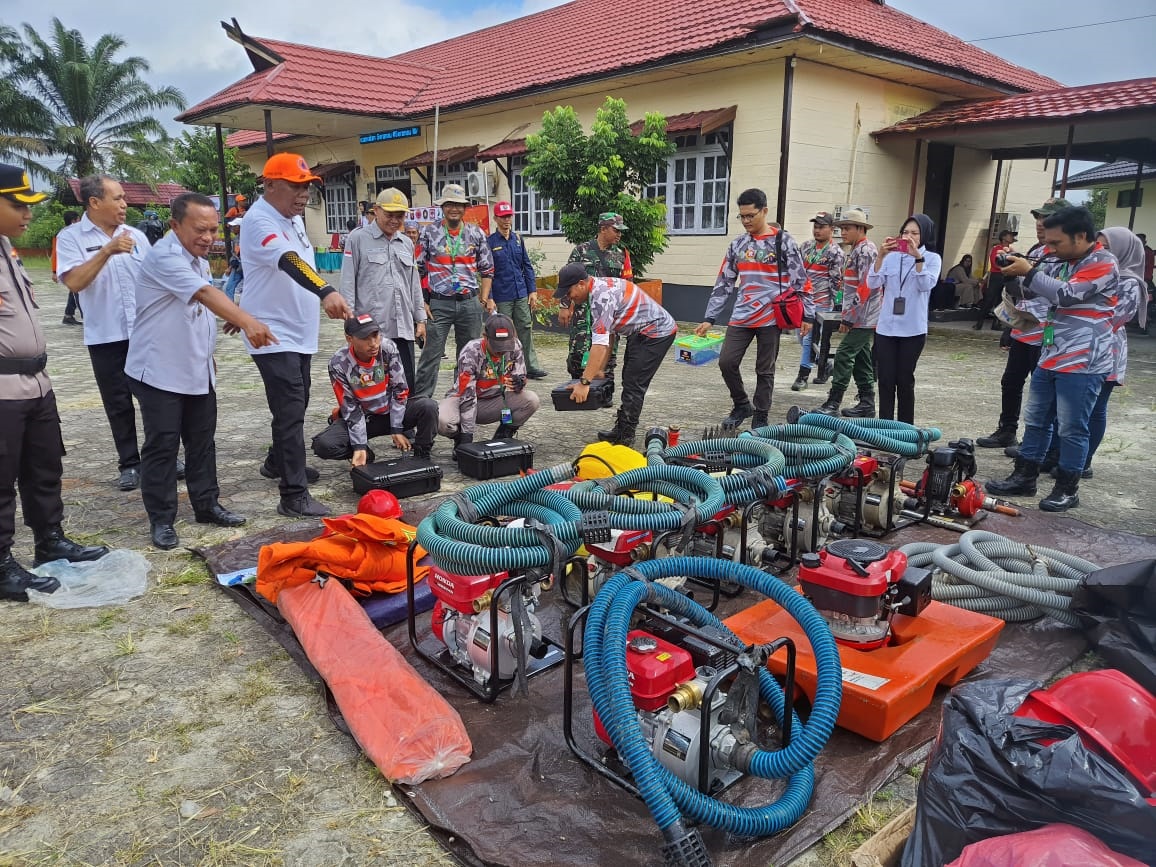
x=288 y=167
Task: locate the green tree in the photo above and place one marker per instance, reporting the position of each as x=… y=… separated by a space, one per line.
x=1098 y=204
x=93 y=105
x=606 y=170
x=145 y=162
x=196 y=164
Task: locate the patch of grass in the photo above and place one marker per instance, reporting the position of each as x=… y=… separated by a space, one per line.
x=108 y=619
x=191 y=575
x=126 y=645
x=960 y=356
x=136 y=850
x=198 y=622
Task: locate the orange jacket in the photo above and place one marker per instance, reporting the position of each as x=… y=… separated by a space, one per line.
x=364 y=550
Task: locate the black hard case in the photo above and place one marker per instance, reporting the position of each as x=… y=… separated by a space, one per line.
x=494 y=458
x=402 y=477
x=601 y=395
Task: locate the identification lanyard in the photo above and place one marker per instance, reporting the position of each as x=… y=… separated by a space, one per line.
x=1049 y=338
x=815 y=255
x=454 y=246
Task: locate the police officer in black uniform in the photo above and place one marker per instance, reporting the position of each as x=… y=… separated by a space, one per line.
x=31 y=446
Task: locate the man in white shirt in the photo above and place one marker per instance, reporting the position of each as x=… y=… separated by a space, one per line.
x=100 y=256
x=282 y=288
x=175 y=303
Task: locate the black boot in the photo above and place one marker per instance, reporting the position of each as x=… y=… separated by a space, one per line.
x=825 y=372
x=506 y=431
x=1065 y=495
x=740 y=413
x=620 y=435
x=15 y=580
x=52 y=544
x=758 y=420
x=1022 y=480
x=831 y=405
x=1002 y=437
x=800 y=383
x=1051 y=461
x=865 y=408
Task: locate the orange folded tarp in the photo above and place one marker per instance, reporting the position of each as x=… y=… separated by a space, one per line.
x=405 y=727
x=365 y=549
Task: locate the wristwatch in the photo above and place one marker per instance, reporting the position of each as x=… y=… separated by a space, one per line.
x=919 y=261
x=583 y=381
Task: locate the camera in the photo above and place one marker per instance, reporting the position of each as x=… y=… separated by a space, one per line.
x=1005 y=259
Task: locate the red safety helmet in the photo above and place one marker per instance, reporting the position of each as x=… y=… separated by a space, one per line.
x=1113 y=714
x=381 y=504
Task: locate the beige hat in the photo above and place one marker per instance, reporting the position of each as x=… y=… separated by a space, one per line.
x=854 y=217
x=392 y=199
x=453 y=193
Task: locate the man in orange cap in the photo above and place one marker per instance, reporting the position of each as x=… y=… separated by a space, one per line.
x=281 y=289
x=240 y=206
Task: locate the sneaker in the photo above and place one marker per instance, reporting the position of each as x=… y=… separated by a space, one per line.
x=311 y=475
x=70 y=320
x=739 y=414
x=303 y=506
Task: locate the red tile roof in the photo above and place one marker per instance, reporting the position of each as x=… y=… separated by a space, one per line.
x=462 y=70
x=139 y=195
x=1061 y=104
x=694 y=121
x=447 y=155
x=244 y=138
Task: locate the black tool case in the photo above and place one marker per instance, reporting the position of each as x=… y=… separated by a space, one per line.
x=403 y=477
x=494 y=458
x=601 y=395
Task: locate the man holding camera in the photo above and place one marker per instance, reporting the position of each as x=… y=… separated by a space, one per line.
x=489 y=385
x=775 y=297
x=1078 y=281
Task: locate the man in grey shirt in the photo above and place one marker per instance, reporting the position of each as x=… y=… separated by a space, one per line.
x=379 y=277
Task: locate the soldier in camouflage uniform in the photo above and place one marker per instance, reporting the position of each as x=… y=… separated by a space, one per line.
x=489 y=386
x=373 y=399
x=602 y=257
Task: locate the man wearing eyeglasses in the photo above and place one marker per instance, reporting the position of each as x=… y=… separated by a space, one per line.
x=281 y=290
x=764 y=271
x=604 y=256
x=378 y=277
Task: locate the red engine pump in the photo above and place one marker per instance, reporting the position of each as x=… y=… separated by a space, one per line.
x=461 y=620
x=858 y=585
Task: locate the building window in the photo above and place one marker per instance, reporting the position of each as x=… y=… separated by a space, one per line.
x=340 y=204
x=695 y=183
x=1124 y=197
x=454 y=173
x=387 y=176
x=534 y=214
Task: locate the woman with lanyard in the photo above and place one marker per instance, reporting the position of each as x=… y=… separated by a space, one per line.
x=907 y=271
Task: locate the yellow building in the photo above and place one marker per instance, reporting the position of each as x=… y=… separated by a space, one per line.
x=785 y=96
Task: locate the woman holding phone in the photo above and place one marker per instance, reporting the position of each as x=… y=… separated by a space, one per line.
x=907 y=272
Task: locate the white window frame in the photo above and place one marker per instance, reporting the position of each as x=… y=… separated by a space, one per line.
x=695 y=204
x=534 y=213
x=340 y=197
x=454 y=173
x=386 y=174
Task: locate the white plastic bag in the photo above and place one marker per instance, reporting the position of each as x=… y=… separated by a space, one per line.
x=117 y=577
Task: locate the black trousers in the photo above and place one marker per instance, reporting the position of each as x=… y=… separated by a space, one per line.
x=735 y=346
x=72 y=304
x=287 y=381
x=895 y=360
x=640 y=363
x=993 y=295
x=405 y=350
x=332 y=444
x=170 y=419
x=826 y=328
x=1022 y=359
x=108 y=368
x=31 y=450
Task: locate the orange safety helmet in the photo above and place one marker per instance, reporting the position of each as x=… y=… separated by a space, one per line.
x=381 y=504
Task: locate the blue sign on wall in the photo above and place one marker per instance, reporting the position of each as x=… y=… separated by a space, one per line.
x=391 y=134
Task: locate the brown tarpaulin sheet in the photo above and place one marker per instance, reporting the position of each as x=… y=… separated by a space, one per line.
x=525 y=799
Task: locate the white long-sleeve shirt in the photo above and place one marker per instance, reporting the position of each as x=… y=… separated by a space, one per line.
x=899 y=279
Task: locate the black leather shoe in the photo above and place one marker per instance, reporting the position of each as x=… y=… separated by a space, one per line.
x=15 y=580
x=52 y=544
x=536 y=374
x=129 y=479
x=303 y=506
x=164 y=536
x=311 y=475
x=180 y=469
x=219 y=515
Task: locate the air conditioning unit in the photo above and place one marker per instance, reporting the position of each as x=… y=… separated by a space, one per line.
x=480 y=185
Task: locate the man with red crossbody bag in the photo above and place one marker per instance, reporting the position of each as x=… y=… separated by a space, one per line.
x=764 y=271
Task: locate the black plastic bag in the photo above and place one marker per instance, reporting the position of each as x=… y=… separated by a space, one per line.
x=988 y=775
x=1117 y=610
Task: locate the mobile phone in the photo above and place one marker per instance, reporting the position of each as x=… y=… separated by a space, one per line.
x=901 y=245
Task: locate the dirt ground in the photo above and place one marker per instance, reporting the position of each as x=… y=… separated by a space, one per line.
x=174 y=730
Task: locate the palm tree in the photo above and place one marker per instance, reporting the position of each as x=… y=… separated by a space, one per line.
x=92 y=106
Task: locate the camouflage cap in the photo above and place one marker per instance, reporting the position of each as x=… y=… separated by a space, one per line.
x=1050 y=207
x=611 y=220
